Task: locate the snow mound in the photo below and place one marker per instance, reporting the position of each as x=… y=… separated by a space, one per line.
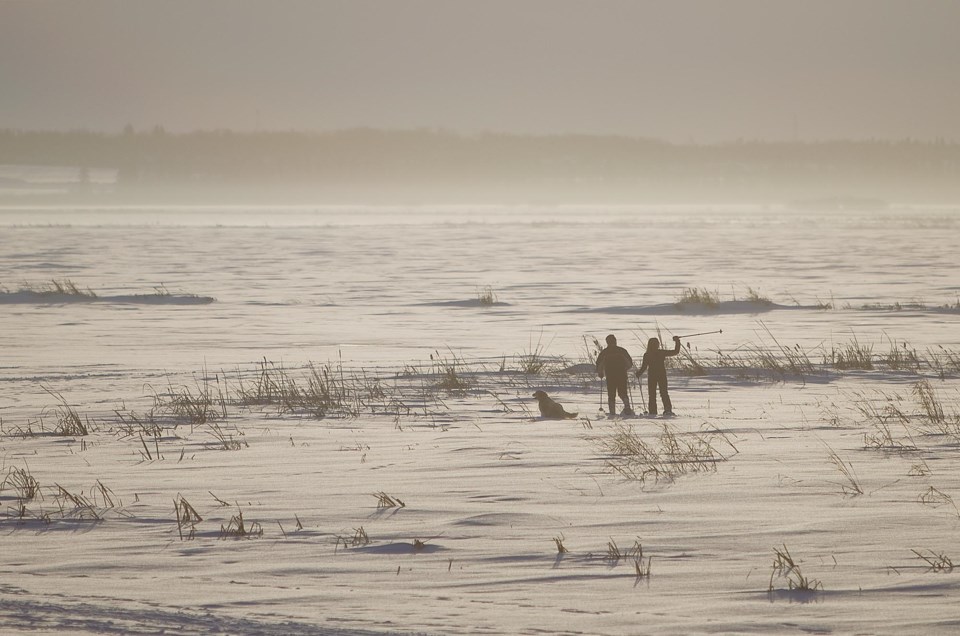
x=672 y=309
x=29 y=297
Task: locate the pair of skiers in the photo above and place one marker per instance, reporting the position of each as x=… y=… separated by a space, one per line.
x=614 y=362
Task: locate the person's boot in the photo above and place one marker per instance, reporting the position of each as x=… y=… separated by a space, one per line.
x=612 y=408
x=627 y=411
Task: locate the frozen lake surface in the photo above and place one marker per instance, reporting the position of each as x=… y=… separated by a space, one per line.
x=387 y=308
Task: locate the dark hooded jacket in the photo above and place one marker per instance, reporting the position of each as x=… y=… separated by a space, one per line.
x=613 y=362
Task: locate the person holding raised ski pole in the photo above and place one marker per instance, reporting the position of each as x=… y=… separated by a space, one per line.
x=655 y=360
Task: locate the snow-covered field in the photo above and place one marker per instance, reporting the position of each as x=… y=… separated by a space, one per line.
x=319 y=421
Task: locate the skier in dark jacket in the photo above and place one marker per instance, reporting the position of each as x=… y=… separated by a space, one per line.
x=655 y=360
x=613 y=362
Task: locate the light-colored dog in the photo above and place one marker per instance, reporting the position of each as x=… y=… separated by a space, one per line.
x=550 y=408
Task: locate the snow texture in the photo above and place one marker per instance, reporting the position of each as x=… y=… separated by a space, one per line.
x=848 y=469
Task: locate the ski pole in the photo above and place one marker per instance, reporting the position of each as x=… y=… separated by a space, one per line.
x=704 y=333
x=601 y=395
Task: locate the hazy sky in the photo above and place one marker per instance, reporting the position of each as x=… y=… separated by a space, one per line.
x=703 y=70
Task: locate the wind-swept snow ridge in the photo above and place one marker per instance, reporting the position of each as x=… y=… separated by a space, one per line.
x=673 y=309
x=32 y=297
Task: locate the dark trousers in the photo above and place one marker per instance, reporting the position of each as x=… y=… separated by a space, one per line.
x=655 y=381
x=617 y=384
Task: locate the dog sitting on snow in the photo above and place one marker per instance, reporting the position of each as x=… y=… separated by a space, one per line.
x=550 y=408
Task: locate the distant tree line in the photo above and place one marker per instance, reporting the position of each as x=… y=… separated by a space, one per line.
x=370 y=164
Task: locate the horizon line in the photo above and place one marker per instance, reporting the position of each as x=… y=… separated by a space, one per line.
x=454 y=133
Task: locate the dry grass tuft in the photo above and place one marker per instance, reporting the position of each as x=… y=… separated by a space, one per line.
x=486 y=296
x=558 y=541
x=901 y=357
x=533 y=361
x=386 y=501
x=881 y=420
x=76 y=506
x=944 y=361
x=641 y=568
x=852 y=355
x=198 y=406
x=130 y=423
x=614 y=555
x=227 y=440
x=850 y=486
x=449 y=371
x=25 y=487
x=794 y=361
x=931 y=407
x=698 y=296
x=237 y=528
x=785 y=567
x=672 y=454
x=935 y=498
x=687 y=363
x=187 y=517
x=62 y=287
x=359 y=539
x=69 y=423
x=319 y=391
x=937 y=562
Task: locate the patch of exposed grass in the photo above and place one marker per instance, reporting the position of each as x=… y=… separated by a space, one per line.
x=793 y=360
x=359 y=539
x=532 y=361
x=901 y=357
x=850 y=484
x=200 y=405
x=935 y=498
x=614 y=554
x=784 y=567
x=925 y=415
x=698 y=296
x=386 y=501
x=237 y=528
x=936 y=561
x=69 y=422
x=641 y=568
x=895 y=306
x=64 y=287
x=130 y=423
x=944 y=361
x=937 y=419
x=930 y=404
x=754 y=296
x=852 y=355
x=672 y=454
x=187 y=517
x=561 y=548
x=825 y=305
x=319 y=391
x=24 y=486
x=486 y=296
x=449 y=371
x=687 y=363
x=882 y=437
x=76 y=505
x=227 y=440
